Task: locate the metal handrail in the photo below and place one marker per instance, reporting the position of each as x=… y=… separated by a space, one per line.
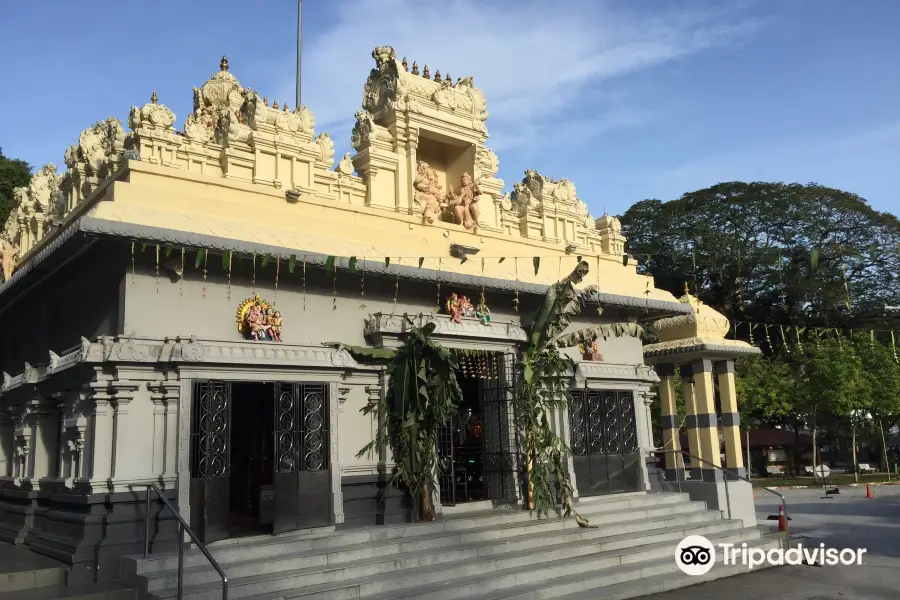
x=183 y=527
x=729 y=473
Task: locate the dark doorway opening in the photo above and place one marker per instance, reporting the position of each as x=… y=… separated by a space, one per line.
x=477 y=451
x=468 y=448
x=252 y=459
x=259 y=458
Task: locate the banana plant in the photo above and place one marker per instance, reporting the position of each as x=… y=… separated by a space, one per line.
x=422 y=394
x=544 y=387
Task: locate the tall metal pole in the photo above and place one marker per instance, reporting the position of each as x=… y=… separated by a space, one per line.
x=299 y=45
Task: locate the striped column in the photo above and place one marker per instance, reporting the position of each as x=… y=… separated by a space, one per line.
x=730 y=420
x=690 y=420
x=706 y=422
x=668 y=414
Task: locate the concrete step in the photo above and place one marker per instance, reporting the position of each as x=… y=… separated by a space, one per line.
x=234 y=551
x=407 y=570
x=22 y=569
x=94 y=591
x=398 y=554
x=495 y=578
x=636 y=587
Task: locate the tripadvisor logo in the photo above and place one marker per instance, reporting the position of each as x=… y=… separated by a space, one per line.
x=696 y=555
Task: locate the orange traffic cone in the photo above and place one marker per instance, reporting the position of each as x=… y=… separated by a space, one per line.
x=869 y=493
x=782 y=520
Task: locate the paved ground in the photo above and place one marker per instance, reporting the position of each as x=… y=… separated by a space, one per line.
x=846 y=521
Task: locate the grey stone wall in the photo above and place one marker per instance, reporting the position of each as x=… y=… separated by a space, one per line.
x=80 y=299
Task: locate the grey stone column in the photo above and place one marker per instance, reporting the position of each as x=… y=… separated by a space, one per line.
x=7 y=443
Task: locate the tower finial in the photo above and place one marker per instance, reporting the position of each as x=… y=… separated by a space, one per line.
x=405 y=64
x=154 y=98
x=415 y=69
x=223 y=64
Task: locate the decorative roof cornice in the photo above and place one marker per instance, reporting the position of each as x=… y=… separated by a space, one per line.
x=116 y=229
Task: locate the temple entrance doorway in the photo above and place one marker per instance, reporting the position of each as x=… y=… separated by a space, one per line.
x=604 y=442
x=252 y=459
x=259 y=458
x=477 y=451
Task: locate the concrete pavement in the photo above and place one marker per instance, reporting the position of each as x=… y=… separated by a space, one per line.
x=846 y=521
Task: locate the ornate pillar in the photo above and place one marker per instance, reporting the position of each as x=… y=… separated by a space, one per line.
x=171 y=391
x=730 y=419
x=335 y=392
x=159 y=432
x=690 y=419
x=102 y=437
x=82 y=415
x=706 y=421
x=6 y=444
x=65 y=450
x=44 y=438
x=668 y=415
x=123 y=463
x=21 y=449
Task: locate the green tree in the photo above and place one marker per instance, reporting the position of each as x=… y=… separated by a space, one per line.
x=881 y=386
x=832 y=376
x=13 y=173
x=777 y=253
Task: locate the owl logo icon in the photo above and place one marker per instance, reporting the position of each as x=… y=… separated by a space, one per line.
x=695 y=555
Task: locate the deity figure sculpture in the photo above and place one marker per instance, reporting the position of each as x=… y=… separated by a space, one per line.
x=459 y=306
x=428 y=195
x=8 y=252
x=463 y=203
x=275 y=322
x=256 y=320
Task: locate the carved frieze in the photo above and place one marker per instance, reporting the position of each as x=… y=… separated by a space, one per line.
x=379 y=324
x=156 y=351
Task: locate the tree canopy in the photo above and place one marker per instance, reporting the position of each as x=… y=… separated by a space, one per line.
x=791 y=254
x=13 y=173
x=795 y=258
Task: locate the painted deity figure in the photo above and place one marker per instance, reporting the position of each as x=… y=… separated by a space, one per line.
x=464 y=202
x=428 y=195
x=458 y=307
x=8 y=253
x=275 y=323
x=256 y=321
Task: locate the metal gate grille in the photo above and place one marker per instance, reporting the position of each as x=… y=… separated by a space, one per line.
x=300 y=427
x=210 y=431
x=501 y=454
x=446 y=464
x=314 y=437
x=604 y=442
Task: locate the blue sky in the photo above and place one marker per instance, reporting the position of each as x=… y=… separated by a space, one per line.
x=628 y=99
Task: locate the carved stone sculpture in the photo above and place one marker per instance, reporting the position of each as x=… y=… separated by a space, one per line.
x=527 y=195
x=325 y=146
x=151 y=116
x=345 y=167
x=428 y=196
x=463 y=203
x=8 y=253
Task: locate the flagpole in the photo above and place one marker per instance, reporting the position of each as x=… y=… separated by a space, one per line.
x=299 y=44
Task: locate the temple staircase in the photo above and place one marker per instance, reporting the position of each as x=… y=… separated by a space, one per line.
x=474 y=555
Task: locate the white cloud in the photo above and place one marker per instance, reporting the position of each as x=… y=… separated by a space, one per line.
x=536 y=61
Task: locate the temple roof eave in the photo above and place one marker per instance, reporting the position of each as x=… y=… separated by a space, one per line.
x=689 y=349
x=85 y=228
